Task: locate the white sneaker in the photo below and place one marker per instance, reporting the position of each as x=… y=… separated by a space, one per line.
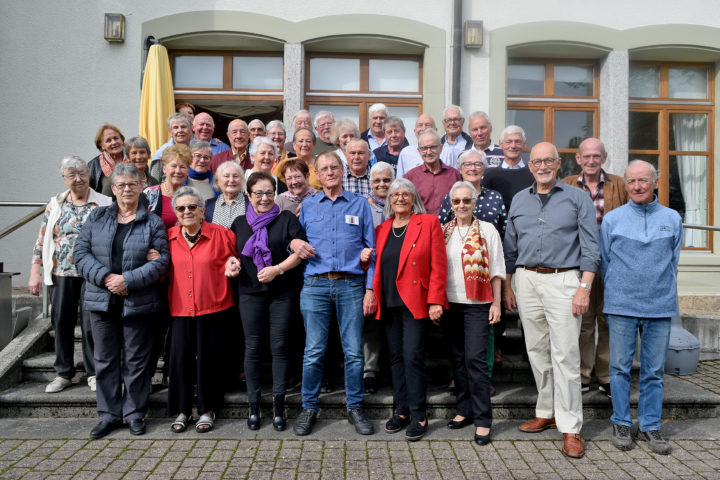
x=58 y=385
x=92 y=384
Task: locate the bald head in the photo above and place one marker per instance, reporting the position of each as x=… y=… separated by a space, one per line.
x=591 y=156
x=204 y=126
x=238 y=135
x=544 y=165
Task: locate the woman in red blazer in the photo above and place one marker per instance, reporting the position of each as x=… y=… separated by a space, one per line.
x=409 y=283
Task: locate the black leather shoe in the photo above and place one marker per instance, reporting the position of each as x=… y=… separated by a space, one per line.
x=416 y=431
x=253 y=421
x=305 y=421
x=279 y=413
x=103 y=428
x=137 y=426
x=370 y=385
x=397 y=423
x=453 y=425
x=482 y=439
x=362 y=423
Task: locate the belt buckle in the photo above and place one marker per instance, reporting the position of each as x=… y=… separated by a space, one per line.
x=335 y=275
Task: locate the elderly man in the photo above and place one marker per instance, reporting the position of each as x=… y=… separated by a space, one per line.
x=395 y=141
x=204 y=127
x=256 y=128
x=509 y=181
x=180 y=128
x=340 y=232
x=237 y=133
x=607 y=192
x=455 y=139
x=301 y=119
x=324 y=121
x=375 y=135
x=480 y=130
x=357 y=178
x=551 y=256
x=640 y=246
x=433 y=178
x=410 y=156
x=512 y=142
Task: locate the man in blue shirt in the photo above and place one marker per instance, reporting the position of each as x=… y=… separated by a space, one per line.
x=338 y=277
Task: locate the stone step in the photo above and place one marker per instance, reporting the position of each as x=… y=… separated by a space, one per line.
x=40 y=367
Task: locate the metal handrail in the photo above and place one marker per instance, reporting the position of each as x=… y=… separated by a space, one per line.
x=701 y=227
x=27 y=218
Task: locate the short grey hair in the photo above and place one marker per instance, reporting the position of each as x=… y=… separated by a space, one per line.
x=480 y=114
x=276 y=123
x=394 y=122
x=382 y=167
x=72 y=162
x=450 y=107
x=260 y=140
x=378 y=107
x=464 y=156
x=404 y=184
x=188 y=191
x=512 y=130
x=256 y=120
x=125 y=169
x=463 y=184
x=221 y=169
x=301 y=112
x=178 y=117
x=322 y=114
x=136 y=142
x=196 y=145
x=637 y=161
x=342 y=126
x=430 y=131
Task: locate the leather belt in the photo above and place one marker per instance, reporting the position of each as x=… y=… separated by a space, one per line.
x=549 y=270
x=336 y=275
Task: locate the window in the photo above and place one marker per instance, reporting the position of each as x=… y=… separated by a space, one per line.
x=348 y=85
x=554 y=101
x=671 y=120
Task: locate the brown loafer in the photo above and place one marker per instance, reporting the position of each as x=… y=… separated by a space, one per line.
x=573 y=445
x=537 y=425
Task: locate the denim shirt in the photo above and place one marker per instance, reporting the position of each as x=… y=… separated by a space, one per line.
x=338 y=230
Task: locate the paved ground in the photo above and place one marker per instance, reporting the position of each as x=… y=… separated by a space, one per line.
x=59 y=448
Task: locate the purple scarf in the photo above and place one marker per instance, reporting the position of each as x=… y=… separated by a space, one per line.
x=257 y=245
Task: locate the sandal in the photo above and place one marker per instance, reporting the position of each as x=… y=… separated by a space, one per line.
x=180 y=424
x=205 y=423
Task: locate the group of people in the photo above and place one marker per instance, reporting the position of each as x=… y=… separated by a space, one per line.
x=373 y=233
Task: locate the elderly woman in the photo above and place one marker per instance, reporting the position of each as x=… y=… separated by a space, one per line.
x=263 y=153
x=341 y=133
x=277 y=133
x=200 y=176
x=137 y=151
x=176 y=161
x=297 y=179
x=52 y=264
x=181 y=131
x=200 y=300
x=109 y=140
x=122 y=296
x=489 y=206
x=476 y=268
x=268 y=286
x=229 y=179
x=409 y=283
x=303 y=143
x=382 y=175
x=187 y=109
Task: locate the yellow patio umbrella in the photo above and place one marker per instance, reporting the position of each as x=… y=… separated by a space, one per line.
x=157 y=101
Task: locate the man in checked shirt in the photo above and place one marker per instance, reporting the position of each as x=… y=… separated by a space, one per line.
x=607 y=192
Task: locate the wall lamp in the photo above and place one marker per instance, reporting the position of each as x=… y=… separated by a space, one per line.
x=115 y=27
x=473 y=33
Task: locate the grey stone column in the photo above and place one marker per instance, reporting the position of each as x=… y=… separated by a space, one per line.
x=614 y=85
x=294 y=81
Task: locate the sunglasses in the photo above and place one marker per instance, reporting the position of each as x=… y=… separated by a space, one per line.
x=190 y=208
x=465 y=201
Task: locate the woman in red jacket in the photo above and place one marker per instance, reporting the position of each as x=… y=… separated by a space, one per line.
x=409 y=283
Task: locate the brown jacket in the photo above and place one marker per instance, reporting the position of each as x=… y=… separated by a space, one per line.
x=614 y=190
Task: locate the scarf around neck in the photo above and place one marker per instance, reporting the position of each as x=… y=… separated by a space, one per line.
x=107 y=164
x=257 y=245
x=195 y=175
x=475 y=261
x=299 y=198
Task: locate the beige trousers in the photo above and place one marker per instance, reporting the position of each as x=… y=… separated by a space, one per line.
x=591 y=355
x=551 y=337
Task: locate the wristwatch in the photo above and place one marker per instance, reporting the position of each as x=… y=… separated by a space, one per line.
x=280 y=270
x=586 y=286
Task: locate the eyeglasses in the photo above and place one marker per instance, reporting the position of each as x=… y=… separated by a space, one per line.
x=383 y=180
x=452 y=120
x=258 y=195
x=398 y=195
x=200 y=155
x=73 y=176
x=464 y=201
x=324 y=125
x=123 y=186
x=543 y=161
x=334 y=168
x=473 y=165
x=427 y=148
x=189 y=208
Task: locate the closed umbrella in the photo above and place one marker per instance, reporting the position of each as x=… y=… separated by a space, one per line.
x=157 y=101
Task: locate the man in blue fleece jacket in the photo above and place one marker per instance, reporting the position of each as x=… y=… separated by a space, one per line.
x=640 y=248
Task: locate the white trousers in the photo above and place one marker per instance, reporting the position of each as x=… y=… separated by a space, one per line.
x=544 y=302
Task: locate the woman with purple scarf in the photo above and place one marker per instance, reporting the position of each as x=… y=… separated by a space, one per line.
x=267 y=286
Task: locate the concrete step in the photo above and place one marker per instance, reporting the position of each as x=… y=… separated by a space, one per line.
x=77 y=336
x=40 y=367
x=682 y=400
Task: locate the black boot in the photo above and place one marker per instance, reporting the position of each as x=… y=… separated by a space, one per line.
x=254 y=417
x=279 y=412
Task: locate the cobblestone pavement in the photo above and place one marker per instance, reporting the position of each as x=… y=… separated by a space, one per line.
x=707 y=376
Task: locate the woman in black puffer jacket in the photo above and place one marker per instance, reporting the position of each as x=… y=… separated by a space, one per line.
x=122 y=252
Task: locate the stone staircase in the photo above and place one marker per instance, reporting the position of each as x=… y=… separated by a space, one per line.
x=515 y=391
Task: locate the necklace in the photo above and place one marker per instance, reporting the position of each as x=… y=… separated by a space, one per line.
x=193 y=238
x=463 y=235
x=124 y=218
x=166 y=190
x=401 y=233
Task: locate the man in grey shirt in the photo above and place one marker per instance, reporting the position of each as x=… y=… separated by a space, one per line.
x=551 y=256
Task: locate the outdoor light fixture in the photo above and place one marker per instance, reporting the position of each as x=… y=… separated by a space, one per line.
x=114 y=27
x=473 y=33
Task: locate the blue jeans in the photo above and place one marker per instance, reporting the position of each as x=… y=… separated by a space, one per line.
x=654 y=338
x=318 y=298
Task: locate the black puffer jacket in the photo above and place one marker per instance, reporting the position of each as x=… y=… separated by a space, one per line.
x=93 y=258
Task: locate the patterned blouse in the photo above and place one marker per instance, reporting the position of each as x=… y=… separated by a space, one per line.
x=225 y=214
x=489 y=207
x=65 y=232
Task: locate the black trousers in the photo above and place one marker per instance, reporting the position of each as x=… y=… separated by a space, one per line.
x=67 y=294
x=161 y=337
x=195 y=358
x=264 y=314
x=122 y=354
x=406 y=337
x=466 y=330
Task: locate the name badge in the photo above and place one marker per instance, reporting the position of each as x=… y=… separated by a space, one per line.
x=352 y=220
